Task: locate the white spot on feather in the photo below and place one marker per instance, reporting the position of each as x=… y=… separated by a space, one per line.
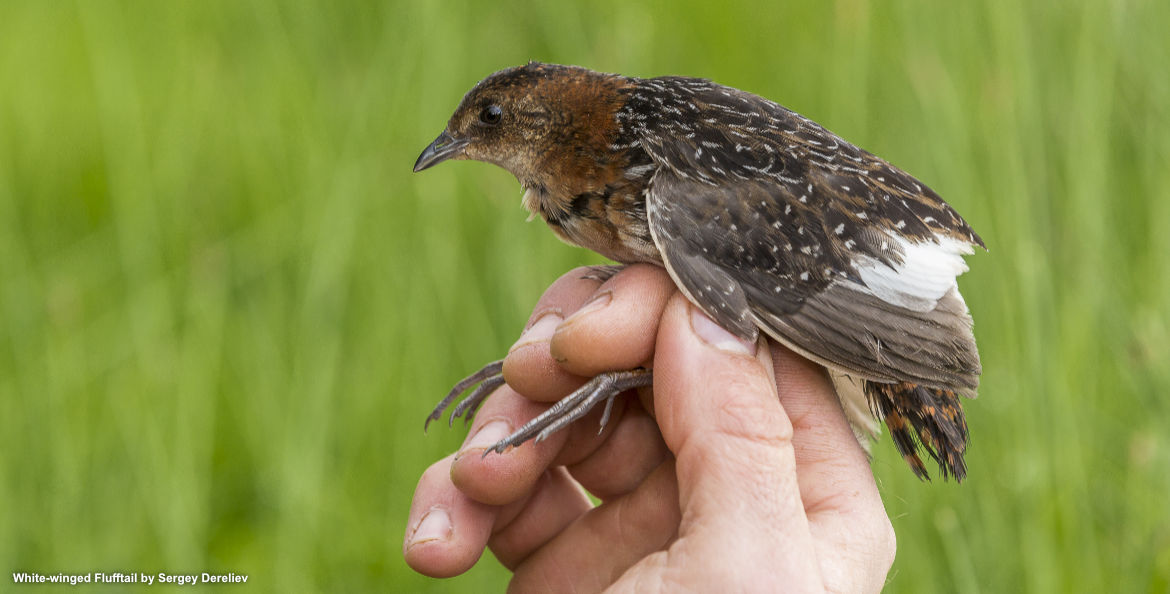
x=638 y=171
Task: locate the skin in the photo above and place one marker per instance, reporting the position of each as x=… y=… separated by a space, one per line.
x=746 y=478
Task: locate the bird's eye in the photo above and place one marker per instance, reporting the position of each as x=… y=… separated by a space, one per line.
x=491 y=115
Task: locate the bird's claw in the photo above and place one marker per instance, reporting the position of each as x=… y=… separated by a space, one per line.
x=490 y=377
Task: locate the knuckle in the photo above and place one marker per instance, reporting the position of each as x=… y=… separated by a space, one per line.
x=745 y=413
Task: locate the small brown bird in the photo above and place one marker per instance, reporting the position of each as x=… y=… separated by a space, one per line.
x=764 y=220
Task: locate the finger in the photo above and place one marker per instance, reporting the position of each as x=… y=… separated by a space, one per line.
x=615 y=329
x=503 y=478
x=625 y=459
x=720 y=415
x=446 y=531
x=498 y=479
x=556 y=502
x=529 y=368
x=537 y=507
x=606 y=541
x=827 y=452
x=852 y=533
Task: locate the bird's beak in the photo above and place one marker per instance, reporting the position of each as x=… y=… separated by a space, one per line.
x=444 y=147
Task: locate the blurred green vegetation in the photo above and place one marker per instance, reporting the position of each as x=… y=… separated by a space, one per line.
x=226 y=305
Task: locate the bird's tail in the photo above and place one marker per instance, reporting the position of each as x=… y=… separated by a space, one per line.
x=926 y=417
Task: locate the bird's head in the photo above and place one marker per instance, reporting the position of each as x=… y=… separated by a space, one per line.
x=539 y=121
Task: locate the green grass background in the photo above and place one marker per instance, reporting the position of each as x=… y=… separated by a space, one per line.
x=226 y=304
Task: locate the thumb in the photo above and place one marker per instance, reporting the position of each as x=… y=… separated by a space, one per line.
x=716 y=403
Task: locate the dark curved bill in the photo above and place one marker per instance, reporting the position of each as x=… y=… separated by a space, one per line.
x=444 y=147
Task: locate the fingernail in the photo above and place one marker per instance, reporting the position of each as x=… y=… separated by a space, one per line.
x=435 y=525
x=595 y=304
x=540 y=331
x=488 y=436
x=714 y=335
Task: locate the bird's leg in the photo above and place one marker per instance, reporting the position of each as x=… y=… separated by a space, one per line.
x=489 y=378
x=604 y=387
x=576 y=405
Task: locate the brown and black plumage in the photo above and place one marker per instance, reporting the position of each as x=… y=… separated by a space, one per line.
x=764 y=219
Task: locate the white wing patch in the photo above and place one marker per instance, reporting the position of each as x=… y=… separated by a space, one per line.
x=927 y=271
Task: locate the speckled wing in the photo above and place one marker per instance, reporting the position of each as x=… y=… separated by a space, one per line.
x=884 y=309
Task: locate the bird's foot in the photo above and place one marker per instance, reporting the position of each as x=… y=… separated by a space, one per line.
x=489 y=378
x=604 y=387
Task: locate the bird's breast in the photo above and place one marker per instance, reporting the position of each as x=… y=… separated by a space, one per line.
x=610 y=220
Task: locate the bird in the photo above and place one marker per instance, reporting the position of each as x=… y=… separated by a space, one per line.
x=765 y=220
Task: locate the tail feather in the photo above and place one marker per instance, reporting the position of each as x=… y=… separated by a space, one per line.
x=930 y=418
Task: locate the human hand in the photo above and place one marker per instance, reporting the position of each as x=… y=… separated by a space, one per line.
x=761 y=492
